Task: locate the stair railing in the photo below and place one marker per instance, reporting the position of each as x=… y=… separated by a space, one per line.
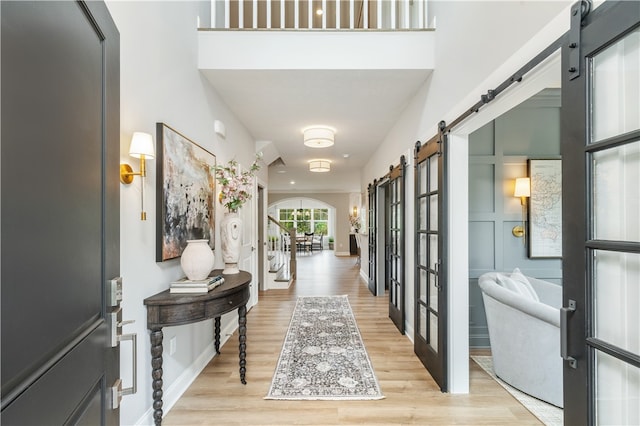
x=319 y=14
x=284 y=245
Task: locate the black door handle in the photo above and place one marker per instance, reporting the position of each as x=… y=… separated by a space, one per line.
x=564 y=333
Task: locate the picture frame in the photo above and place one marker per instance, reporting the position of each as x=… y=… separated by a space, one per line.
x=185 y=193
x=545 y=208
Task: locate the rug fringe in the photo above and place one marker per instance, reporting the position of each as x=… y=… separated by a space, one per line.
x=315 y=398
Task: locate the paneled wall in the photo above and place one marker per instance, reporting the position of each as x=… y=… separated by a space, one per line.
x=498 y=154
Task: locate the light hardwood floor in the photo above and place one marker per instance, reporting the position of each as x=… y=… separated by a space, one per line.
x=411 y=396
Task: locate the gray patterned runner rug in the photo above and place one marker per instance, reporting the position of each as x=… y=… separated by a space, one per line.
x=323 y=357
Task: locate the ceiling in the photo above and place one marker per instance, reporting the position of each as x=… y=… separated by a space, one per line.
x=275 y=105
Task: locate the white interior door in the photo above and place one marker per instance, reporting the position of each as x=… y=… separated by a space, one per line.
x=248 y=254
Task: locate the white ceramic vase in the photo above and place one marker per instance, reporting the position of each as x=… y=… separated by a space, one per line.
x=197 y=259
x=231 y=236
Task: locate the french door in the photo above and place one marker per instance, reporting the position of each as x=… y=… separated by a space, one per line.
x=601 y=175
x=395 y=229
x=430 y=274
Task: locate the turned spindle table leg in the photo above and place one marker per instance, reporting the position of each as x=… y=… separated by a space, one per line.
x=156 y=373
x=242 y=331
x=216 y=327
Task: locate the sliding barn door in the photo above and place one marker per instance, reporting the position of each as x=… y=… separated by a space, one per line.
x=394 y=230
x=372 y=229
x=600 y=131
x=430 y=276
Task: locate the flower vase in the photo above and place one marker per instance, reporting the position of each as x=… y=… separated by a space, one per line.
x=197 y=260
x=231 y=236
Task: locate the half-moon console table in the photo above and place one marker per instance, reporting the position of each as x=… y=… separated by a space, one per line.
x=165 y=309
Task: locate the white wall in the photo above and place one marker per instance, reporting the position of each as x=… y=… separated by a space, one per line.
x=478 y=46
x=160 y=82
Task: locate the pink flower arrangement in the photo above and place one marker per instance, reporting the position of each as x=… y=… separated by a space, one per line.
x=355 y=221
x=235 y=185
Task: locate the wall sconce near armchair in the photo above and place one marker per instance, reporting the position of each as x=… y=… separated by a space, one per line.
x=522 y=190
x=141 y=147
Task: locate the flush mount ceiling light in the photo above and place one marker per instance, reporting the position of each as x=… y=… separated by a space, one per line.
x=318 y=136
x=319 y=166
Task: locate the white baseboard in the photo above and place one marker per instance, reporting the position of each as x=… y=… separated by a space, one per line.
x=172 y=394
x=364 y=276
x=343 y=253
x=409 y=331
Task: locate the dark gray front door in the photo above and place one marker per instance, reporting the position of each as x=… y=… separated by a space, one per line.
x=601 y=227
x=60 y=211
x=431 y=295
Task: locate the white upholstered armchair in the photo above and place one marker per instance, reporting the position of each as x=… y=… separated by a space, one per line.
x=524 y=331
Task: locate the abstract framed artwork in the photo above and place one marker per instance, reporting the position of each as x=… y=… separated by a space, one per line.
x=185 y=193
x=545 y=209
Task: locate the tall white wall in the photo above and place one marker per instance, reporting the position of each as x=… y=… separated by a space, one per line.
x=478 y=45
x=160 y=82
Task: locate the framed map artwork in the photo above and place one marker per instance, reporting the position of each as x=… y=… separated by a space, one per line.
x=545 y=209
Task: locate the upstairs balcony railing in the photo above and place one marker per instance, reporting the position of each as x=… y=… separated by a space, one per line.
x=319 y=14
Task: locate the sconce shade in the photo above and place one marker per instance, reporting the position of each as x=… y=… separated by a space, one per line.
x=318 y=136
x=319 y=166
x=142 y=144
x=523 y=187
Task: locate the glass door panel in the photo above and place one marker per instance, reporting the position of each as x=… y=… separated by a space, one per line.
x=616 y=88
x=422 y=286
x=433 y=293
x=433 y=212
x=433 y=331
x=433 y=173
x=618 y=391
x=617 y=297
x=616 y=192
x=422 y=177
x=422 y=323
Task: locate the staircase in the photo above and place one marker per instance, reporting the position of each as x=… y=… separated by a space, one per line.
x=282 y=260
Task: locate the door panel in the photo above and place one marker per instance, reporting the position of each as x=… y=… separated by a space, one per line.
x=601 y=153
x=431 y=284
x=60 y=209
